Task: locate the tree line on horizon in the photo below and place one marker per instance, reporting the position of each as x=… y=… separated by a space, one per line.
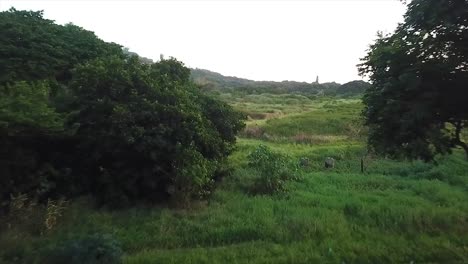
x=214 y=82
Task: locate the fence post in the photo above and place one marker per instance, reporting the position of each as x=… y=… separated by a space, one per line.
x=362 y=165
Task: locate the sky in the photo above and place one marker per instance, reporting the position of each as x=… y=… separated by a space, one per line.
x=259 y=40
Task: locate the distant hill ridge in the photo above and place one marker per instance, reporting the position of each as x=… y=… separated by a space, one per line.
x=210 y=81
x=213 y=81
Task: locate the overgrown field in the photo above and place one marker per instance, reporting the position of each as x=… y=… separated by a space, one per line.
x=394 y=212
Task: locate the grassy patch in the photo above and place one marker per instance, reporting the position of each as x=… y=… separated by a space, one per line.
x=395 y=212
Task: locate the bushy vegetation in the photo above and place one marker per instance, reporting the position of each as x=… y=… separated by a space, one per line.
x=50 y=50
x=103 y=123
x=275 y=171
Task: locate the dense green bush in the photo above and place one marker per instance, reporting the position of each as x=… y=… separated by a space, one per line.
x=30 y=130
x=275 y=170
x=146 y=132
x=34 y=48
x=36 y=153
x=116 y=128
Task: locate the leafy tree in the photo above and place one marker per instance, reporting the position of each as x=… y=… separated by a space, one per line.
x=417 y=105
x=352 y=88
x=36 y=59
x=136 y=121
x=226 y=122
x=80 y=116
x=27 y=124
x=34 y=48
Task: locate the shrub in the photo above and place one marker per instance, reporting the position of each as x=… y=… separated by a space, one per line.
x=150 y=135
x=92 y=249
x=27 y=216
x=105 y=123
x=54 y=211
x=275 y=171
x=193 y=178
x=126 y=126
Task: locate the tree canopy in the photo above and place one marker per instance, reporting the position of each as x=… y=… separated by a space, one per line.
x=34 y=48
x=417 y=105
x=82 y=116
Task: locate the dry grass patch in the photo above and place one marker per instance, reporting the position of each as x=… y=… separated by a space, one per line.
x=303 y=138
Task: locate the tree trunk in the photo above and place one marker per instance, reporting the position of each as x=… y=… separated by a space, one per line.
x=457 y=141
x=465 y=147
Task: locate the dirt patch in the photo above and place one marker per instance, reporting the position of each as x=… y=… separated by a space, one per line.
x=253 y=132
x=303 y=138
x=257 y=116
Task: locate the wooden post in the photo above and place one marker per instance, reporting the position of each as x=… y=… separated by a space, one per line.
x=362 y=165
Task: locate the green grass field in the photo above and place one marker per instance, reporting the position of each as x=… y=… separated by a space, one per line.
x=395 y=212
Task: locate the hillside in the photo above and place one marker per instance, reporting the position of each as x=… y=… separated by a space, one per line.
x=212 y=81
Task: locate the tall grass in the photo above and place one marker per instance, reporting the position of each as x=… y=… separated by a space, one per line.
x=394 y=212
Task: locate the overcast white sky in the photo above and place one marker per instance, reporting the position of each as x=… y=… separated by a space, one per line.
x=259 y=40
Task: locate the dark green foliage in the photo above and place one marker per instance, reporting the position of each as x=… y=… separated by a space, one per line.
x=92 y=249
x=146 y=131
x=29 y=129
x=36 y=58
x=91 y=120
x=25 y=106
x=226 y=121
x=353 y=88
x=34 y=48
x=417 y=105
x=275 y=170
